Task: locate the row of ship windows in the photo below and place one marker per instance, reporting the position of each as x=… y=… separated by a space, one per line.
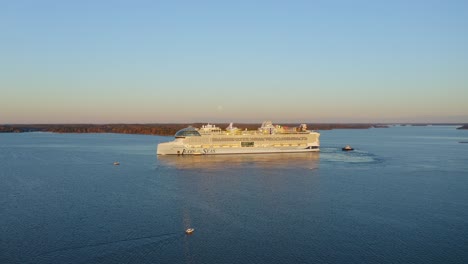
x=248 y=144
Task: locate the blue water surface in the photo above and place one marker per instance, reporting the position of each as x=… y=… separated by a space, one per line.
x=400 y=197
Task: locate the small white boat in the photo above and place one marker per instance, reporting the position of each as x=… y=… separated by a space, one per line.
x=347 y=148
x=116 y=163
x=189 y=231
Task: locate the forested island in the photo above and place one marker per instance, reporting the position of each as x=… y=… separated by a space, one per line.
x=171 y=129
x=154 y=129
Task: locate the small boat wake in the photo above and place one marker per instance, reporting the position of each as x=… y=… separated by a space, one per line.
x=355 y=156
x=150 y=240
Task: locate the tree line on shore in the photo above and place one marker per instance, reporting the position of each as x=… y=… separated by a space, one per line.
x=165 y=129
x=151 y=129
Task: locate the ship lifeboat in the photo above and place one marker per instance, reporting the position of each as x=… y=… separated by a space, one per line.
x=347 y=148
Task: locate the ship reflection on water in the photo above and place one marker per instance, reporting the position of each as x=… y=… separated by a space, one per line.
x=221 y=162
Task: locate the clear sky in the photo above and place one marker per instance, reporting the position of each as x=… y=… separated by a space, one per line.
x=154 y=61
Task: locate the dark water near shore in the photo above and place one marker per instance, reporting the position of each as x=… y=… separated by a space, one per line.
x=401 y=197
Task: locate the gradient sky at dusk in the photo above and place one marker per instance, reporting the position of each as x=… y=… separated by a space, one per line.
x=242 y=61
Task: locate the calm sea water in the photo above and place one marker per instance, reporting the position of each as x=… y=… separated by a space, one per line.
x=401 y=197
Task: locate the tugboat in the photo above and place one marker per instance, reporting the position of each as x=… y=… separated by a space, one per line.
x=347 y=148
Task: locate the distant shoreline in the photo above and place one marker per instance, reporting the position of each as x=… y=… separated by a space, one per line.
x=171 y=129
x=154 y=129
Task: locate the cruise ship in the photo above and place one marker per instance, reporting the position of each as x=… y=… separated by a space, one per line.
x=269 y=138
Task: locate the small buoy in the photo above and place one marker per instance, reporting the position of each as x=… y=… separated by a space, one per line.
x=189 y=231
x=116 y=163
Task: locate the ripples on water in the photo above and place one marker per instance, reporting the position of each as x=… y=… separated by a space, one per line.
x=400 y=197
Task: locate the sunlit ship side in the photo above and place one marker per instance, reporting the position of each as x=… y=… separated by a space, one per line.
x=269 y=138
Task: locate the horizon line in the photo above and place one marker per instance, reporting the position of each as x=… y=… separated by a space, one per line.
x=198 y=122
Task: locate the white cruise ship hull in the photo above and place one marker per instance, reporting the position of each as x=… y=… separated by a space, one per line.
x=172 y=149
x=225 y=144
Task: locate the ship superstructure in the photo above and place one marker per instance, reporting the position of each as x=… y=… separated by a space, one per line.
x=269 y=138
